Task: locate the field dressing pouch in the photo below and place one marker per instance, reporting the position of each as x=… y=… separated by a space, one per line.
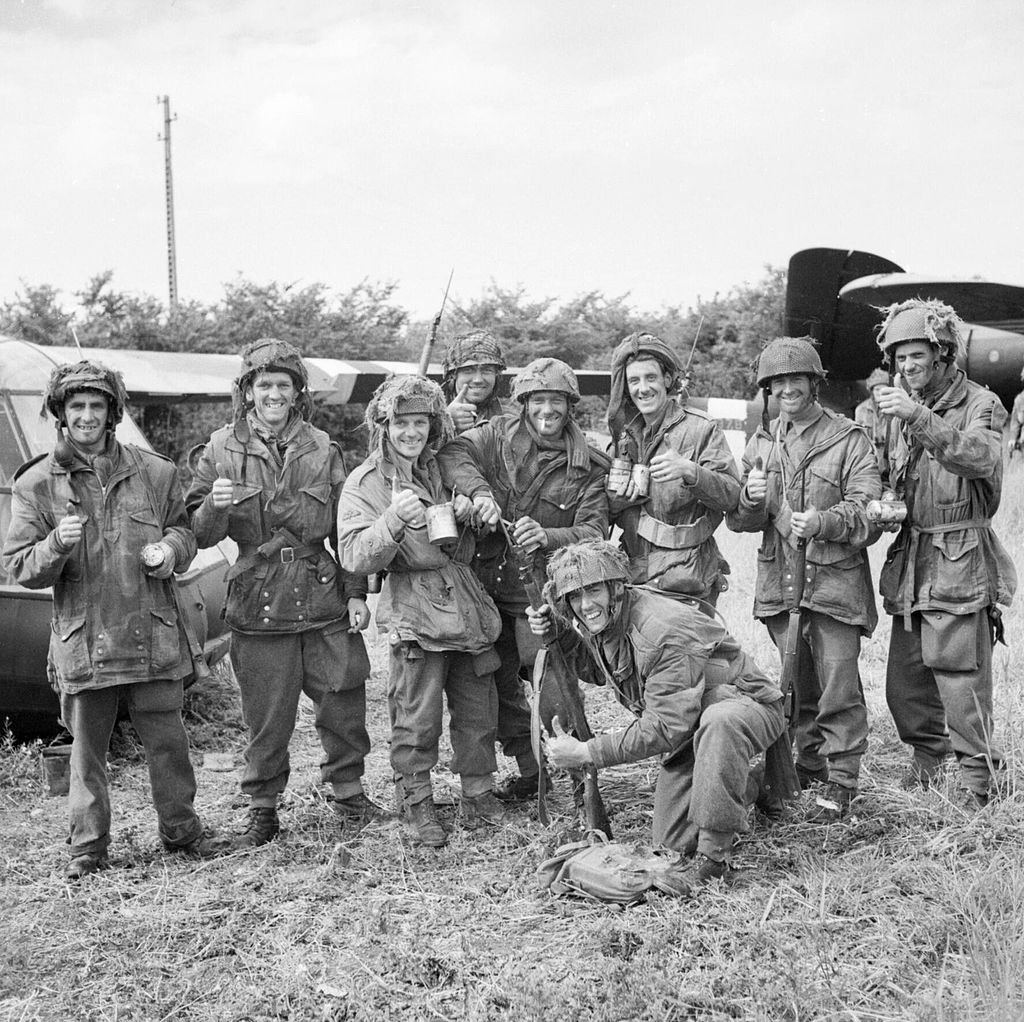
x=604 y=870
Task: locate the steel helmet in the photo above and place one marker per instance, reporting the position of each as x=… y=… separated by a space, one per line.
x=877 y=378
x=269 y=355
x=920 y=319
x=788 y=355
x=408 y=395
x=475 y=348
x=74 y=377
x=550 y=374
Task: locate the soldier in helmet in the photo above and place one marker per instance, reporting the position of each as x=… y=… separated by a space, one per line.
x=700 y=702
x=81 y=519
x=439 y=622
x=473 y=383
x=866 y=413
x=668 y=532
x=270 y=481
x=536 y=471
x=808 y=476
x=946 y=571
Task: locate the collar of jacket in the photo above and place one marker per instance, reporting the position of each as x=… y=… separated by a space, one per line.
x=837 y=427
x=954 y=394
x=522 y=439
x=242 y=440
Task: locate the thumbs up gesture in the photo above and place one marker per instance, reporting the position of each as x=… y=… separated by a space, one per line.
x=757 y=482
x=222 y=493
x=565 y=752
x=806 y=524
x=69 y=528
x=462 y=412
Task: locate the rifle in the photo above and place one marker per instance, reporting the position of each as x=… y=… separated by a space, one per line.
x=428 y=344
x=780 y=777
x=551 y=664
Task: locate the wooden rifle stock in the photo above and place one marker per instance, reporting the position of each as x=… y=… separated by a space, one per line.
x=570 y=702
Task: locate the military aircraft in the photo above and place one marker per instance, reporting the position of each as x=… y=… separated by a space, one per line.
x=834 y=294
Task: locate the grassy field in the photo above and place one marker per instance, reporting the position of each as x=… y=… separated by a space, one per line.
x=909 y=909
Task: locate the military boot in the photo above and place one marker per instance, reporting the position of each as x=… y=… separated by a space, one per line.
x=477 y=810
x=522 y=788
x=356 y=812
x=682 y=880
x=832 y=804
x=206 y=846
x=261 y=827
x=422 y=825
x=82 y=865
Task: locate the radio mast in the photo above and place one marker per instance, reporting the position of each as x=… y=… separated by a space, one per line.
x=172 y=253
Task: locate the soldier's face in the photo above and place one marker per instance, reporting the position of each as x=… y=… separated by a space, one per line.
x=548 y=412
x=86 y=416
x=272 y=396
x=592 y=605
x=479 y=381
x=793 y=392
x=917 y=363
x=409 y=434
x=648 y=386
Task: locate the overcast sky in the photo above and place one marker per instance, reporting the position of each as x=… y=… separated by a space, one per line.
x=663 y=148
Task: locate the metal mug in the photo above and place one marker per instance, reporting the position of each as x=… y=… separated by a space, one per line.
x=441 y=524
x=890 y=510
x=619 y=475
x=641 y=479
x=152 y=555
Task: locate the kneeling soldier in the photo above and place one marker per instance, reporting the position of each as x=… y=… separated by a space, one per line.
x=699 y=701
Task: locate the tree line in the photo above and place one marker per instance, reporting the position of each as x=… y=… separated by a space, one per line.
x=365 y=322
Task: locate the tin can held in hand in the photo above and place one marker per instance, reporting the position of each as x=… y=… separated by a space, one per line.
x=641 y=479
x=152 y=555
x=618 y=476
x=441 y=524
x=887 y=511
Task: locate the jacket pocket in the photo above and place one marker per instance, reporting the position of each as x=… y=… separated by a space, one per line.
x=959 y=574
x=245 y=525
x=316 y=509
x=323 y=588
x=143 y=528
x=69 y=650
x=164 y=642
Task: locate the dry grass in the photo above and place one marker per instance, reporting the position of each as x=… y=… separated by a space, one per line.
x=912 y=909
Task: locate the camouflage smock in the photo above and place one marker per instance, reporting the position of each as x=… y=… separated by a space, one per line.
x=669 y=536
x=283 y=506
x=561 y=490
x=430 y=595
x=112 y=623
x=837 y=475
x=946 y=461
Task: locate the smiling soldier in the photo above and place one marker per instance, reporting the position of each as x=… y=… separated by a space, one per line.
x=440 y=623
x=808 y=476
x=270 y=481
x=699 y=702
x=473 y=382
x=81 y=518
x=668 y=532
x=946 y=571
x=537 y=472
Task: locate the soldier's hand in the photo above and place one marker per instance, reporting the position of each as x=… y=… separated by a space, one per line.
x=565 y=752
x=165 y=569
x=463 y=508
x=894 y=400
x=757 y=483
x=529 y=535
x=408 y=507
x=462 y=412
x=541 y=623
x=69 y=528
x=805 y=524
x=222 y=492
x=670 y=466
x=358 y=614
x=487 y=510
